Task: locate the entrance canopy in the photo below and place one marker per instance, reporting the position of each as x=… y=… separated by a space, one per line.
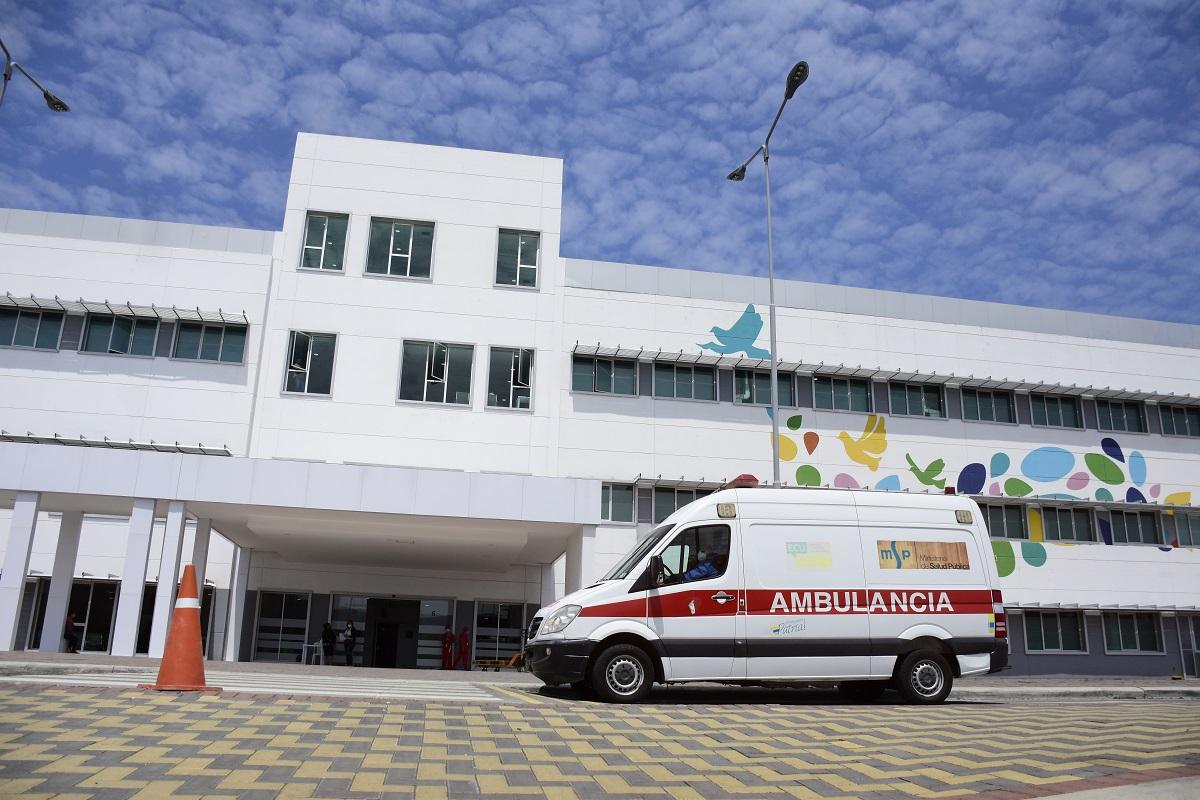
x=321 y=512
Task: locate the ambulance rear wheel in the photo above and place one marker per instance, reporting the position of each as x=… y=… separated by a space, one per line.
x=622 y=674
x=924 y=678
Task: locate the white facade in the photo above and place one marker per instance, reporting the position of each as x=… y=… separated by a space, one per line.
x=356 y=492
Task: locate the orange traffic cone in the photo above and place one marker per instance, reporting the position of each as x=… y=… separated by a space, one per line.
x=182 y=668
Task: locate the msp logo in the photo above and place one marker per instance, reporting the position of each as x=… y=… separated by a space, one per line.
x=922 y=555
x=788 y=628
x=810 y=555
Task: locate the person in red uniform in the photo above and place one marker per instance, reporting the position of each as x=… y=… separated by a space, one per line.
x=464 y=648
x=448 y=649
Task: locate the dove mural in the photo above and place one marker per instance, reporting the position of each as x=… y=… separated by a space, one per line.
x=739 y=337
x=929 y=475
x=868 y=448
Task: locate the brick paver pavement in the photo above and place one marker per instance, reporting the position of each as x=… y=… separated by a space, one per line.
x=117 y=743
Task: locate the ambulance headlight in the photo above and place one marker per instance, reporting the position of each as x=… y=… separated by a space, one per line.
x=560 y=619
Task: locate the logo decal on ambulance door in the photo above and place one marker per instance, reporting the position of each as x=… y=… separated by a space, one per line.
x=922 y=555
x=810 y=555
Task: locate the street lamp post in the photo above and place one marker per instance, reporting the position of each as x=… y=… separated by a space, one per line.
x=54 y=103
x=797 y=76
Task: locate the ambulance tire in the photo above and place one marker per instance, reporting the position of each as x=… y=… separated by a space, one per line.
x=622 y=674
x=924 y=678
x=862 y=691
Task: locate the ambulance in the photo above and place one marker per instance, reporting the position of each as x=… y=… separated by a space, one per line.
x=756 y=585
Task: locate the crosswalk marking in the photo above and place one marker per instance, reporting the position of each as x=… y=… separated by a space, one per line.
x=263 y=683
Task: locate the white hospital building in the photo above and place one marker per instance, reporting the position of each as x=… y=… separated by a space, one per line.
x=405 y=408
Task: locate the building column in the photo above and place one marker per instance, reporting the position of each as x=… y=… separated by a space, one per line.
x=16 y=565
x=168 y=578
x=548 y=593
x=200 y=551
x=60 y=581
x=239 y=578
x=133 y=578
x=581 y=558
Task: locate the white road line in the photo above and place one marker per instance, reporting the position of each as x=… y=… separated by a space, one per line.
x=283 y=684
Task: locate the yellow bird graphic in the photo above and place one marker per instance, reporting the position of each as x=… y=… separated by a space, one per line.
x=868 y=449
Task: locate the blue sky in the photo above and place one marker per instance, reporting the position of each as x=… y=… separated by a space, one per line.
x=1044 y=153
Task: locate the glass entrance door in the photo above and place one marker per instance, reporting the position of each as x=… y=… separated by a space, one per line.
x=282 y=626
x=1190 y=631
x=93 y=603
x=498 y=628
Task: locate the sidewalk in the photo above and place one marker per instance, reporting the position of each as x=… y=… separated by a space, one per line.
x=992 y=688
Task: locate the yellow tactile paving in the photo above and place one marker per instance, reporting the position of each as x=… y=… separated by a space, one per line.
x=120 y=743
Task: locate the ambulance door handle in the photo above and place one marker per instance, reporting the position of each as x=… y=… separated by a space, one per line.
x=722 y=598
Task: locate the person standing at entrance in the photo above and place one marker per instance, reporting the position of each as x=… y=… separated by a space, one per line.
x=464 y=648
x=448 y=648
x=71 y=633
x=328 y=640
x=349 y=639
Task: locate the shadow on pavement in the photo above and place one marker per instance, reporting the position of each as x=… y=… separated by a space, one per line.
x=710 y=695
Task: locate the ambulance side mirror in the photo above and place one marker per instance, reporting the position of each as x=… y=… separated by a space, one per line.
x=657 y=577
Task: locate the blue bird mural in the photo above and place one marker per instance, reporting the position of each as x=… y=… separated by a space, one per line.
x=739 y=338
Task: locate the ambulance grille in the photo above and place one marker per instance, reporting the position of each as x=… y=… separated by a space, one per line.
x=533 y=626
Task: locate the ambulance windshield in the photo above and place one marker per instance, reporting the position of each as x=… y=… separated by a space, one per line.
x=626 y=565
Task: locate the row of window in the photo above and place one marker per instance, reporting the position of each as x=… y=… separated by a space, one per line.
x=694 y=382
x=401 y=248
x=1064 y=632
x=430 y=372
x=1059 y=524
x=1004 y=521
x=124 y=335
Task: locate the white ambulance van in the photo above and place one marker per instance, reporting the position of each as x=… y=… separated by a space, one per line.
x=752 y=585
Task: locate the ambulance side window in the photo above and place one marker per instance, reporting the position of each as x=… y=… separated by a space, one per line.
x=696 y=554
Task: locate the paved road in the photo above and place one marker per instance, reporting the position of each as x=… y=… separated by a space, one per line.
x=117 y=743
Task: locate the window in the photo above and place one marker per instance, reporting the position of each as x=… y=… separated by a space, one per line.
x=510 y=376
x=843 y=394
x=434 y=372
x=667 y=501
x=400 y=248
x=1005 y=522
x=616 y=502
x=685 y=382
x=696 y=554
x=1118 y=415
x=1067 y=524
x=755 y=388
x=131 y=336
x=310 y=362
x=205 y=342
x=983 y=405
x=1187 y=529
x=1054 y=632
x=916 y=399
x=1179 y=421
x=1134 y=527
x=324 y=241
x=603 y=375
x=1055 y=411
x=30 y=328
x=517 y=259
x=1138 y=633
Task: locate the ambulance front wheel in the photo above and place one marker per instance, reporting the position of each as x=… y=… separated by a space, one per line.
x=622 y=674
x=924 y=677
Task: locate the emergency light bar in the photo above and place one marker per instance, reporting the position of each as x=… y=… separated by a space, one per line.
x=743 y=481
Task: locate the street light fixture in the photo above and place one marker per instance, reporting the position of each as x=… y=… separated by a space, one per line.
x=797 y=76
x=52 y=102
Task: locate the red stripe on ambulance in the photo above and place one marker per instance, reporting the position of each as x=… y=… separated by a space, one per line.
x=869 y=601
